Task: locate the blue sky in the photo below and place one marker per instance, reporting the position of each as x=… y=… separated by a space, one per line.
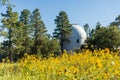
x=79 y=11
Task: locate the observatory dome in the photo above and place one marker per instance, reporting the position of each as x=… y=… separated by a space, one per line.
x=76 y=39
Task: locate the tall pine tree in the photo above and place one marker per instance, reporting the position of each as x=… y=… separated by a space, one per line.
x=63 y=28
x=39 y=31
x=18 y=38
x=9 y=22
x=25 y=19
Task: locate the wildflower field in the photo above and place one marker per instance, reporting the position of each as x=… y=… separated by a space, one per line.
x=86 y=65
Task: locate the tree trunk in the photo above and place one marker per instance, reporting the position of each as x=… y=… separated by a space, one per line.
x=25 y=45
x=10 y=45
x=61 y=44
x=10 y=55
x=25 y=40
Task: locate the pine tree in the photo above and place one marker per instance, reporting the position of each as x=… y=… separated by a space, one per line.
x=9 y=22
x=63 y=28
x=18 y=38
x=87 y=29
x=98 y=25
x=25 y=19
x=39 y=31
x=116 y=22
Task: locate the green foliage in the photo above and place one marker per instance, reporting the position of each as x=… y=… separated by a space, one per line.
x=105 y=37
x=87 y=29
x=39 y=32
x=116 y=22
x=49 y=46
x=26 y=34
x=26 y=29
x=9 y=21
x=18 y=38
x=63 y=28
x=98 y=25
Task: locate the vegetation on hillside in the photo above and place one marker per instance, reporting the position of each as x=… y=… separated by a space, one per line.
x=87 y=65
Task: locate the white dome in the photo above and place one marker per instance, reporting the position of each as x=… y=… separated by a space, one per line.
x=77 y=38
x=80 y=32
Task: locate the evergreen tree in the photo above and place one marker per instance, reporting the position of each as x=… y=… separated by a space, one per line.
x=116 y=22
x=92 y=32
x=25 y=19
x=18 y=38
x=9 y=22
x=87 y=29
x=63 y=28
x=98 y=25
x=4 y=50
x=39 y=31
x=51 y=46
x=105 y=37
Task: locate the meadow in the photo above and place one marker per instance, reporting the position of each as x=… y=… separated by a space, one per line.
x=86 y=65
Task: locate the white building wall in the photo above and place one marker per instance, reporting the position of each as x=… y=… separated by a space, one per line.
x=77 y=38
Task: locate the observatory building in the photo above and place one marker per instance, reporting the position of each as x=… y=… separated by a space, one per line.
x=76 y=39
